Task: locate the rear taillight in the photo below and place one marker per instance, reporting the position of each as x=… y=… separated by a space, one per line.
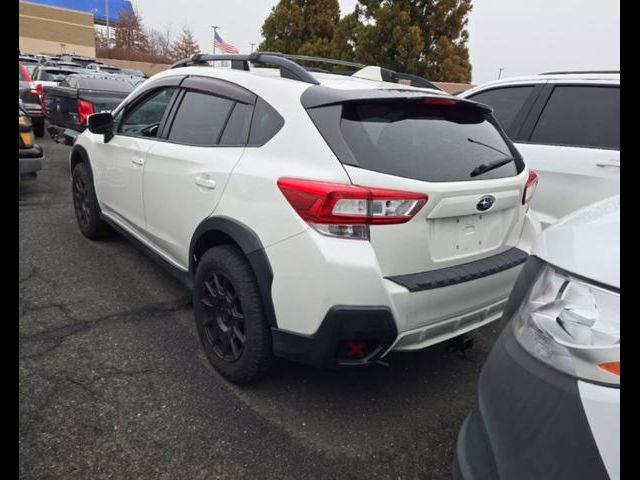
x=344 y=210
x=84 y=110
x=40 y=92
x=530 y=187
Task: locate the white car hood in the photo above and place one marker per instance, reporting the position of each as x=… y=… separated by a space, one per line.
x=586 y=242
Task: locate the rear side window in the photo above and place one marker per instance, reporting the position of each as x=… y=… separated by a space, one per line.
x=21 y=76
x=200 y=119
x=506 y=102
x=265 y=124
x=580 y=116
x=434 y=143
x=235 y=133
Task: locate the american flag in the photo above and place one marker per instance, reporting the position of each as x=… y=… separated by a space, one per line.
x=218 y=43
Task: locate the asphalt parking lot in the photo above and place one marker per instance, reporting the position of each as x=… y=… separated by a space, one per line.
x=113 y=383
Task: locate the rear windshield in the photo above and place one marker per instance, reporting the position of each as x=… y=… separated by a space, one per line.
x=54 y=75
x=434 y=143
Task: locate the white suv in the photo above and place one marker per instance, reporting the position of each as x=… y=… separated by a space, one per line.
x=323 y=218
x=566 y=125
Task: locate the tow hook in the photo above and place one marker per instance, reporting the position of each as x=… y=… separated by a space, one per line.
x=460 y=344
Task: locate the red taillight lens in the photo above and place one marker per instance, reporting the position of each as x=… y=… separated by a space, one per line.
x=40 y=91
x=340 y=205
x=84 y=110
x=530 y=187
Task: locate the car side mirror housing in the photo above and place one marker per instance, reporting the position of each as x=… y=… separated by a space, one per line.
x=101 y=123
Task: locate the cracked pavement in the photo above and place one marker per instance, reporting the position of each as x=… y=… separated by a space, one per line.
x=113 y=383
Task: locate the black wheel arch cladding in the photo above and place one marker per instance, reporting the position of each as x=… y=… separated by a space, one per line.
x=250 y=245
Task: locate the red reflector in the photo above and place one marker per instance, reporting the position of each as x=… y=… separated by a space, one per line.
x=530 y=187
x=438 y=101
x=611 y=367
x=84 y=110
x=346 y=204
x=356 y=349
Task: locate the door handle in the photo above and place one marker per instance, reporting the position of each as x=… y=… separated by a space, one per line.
x=608 y=163
x=205 y=182
x=136 y=160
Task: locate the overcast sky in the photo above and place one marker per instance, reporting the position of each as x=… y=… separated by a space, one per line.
x=521 y=36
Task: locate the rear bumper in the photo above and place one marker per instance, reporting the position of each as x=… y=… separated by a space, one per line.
x=30 y=160
x=34 y=112
x=346 y=273
x=348 y=336
x=62 y=135
x=528 y=423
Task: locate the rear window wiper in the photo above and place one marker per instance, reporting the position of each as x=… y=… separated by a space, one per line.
x=485 y=167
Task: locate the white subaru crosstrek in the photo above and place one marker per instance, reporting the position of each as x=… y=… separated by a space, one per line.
x=566 y=125
x=549 y=394
x=323 y=218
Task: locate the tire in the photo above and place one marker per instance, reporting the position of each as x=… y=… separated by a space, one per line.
x=38 y=127
x=228 y=308
x=85 y=204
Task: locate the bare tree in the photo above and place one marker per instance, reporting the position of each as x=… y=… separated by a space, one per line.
x=130 y=34
x=160 y=41
x=185 y=45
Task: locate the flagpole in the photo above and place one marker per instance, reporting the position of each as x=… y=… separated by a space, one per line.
x=215 y=29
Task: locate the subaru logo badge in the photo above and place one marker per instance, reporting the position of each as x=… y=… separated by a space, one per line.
x=486 y=203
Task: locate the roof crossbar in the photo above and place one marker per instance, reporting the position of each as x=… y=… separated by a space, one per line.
x=288 y=68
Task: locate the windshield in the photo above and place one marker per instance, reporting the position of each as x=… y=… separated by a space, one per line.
x=31 y=67
x=434 y=143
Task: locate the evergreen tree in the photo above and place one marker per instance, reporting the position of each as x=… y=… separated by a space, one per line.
x=184 y=46
x=425 y=37
x=304 y=27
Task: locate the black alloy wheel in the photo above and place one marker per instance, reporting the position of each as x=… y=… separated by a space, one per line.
x=81 y=201
x=229 y=314
x=225 y=327
x=85 y=204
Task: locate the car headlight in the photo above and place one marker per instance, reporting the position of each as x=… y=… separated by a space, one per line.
x=572 y=325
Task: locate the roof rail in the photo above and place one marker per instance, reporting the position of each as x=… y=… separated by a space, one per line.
x=579 y=71
x=288 y=68
x=386 y=74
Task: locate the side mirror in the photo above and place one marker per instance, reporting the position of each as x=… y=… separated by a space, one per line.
x=101 y=123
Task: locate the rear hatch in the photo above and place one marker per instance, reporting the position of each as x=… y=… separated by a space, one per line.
x=430 y=144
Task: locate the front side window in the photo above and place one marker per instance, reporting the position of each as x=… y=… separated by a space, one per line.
x=143 y=120
x=580 y=116
x=506 y=102
x=200 y=119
